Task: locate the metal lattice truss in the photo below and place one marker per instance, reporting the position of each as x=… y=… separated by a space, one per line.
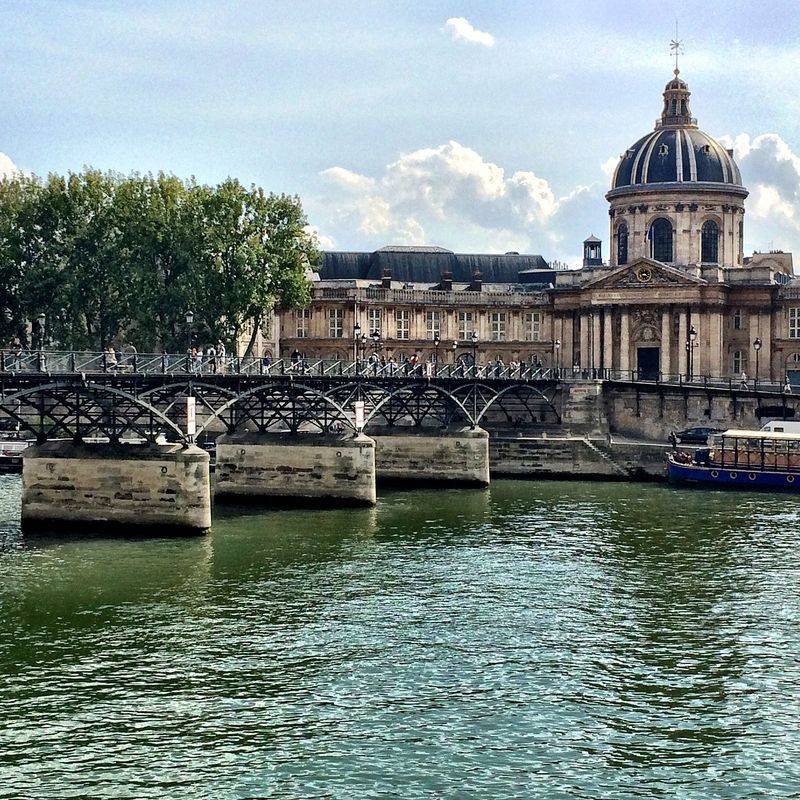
x=81 y=409
x=289 y=407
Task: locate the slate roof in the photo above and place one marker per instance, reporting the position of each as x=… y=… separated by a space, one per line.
x=427 y=265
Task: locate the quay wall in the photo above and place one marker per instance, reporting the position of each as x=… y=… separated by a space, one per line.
x=105 y=487
x=576 y=457
x=306 y=467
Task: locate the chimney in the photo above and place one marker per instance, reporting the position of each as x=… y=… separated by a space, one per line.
x=386 y=279
x=477 y=281
x=446 y=283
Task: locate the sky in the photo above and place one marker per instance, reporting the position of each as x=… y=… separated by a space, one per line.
x=476 y=126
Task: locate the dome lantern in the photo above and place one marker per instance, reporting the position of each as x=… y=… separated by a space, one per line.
x=676 y=112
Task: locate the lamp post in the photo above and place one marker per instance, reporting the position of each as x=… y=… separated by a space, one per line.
x=757 y=347
x=436 y=342
x=41 y=320
x=356 y=335
x=474 y=339
x=557 y=345
x=690 y=345
x=376 y=341
x=189 y=323
x=454 y=348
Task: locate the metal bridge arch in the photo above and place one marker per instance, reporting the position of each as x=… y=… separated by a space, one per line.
x=276 y=402
x=81 y=409
x=440 y=404
x=518 y=388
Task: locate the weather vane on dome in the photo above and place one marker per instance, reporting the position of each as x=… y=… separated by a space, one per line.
x=676 y=47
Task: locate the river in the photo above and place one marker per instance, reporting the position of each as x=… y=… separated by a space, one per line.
x=581 y=640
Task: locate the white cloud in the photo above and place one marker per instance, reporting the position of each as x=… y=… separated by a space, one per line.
x=609 y=165
x=771 y=171
x=462 y=30
x=452 y=196
x=325 y=242
x=7 y=167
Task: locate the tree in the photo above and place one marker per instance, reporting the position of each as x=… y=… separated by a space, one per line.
x=107 y=257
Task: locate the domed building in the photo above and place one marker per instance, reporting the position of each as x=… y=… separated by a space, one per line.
x=677 y=194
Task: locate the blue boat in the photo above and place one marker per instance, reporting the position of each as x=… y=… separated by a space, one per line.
x=738 y=459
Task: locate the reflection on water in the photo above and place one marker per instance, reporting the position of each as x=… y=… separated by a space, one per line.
x=533 y=639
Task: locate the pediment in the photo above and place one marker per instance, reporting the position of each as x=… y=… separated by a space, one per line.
x=641 y=274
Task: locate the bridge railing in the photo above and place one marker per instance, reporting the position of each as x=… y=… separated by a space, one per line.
x=54 y=362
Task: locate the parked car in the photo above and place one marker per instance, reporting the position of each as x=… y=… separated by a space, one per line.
x=698 y=435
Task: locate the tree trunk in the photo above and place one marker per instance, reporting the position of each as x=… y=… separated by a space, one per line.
x=252 y=343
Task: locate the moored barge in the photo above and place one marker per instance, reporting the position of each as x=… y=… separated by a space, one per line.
x=739 y=459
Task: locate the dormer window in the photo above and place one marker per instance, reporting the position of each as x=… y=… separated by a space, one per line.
x=706 y=149
x=663 y=150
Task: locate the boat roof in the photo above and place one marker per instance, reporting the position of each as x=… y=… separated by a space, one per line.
x=740 y=434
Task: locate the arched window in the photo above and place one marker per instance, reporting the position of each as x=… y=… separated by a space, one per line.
x=622 y=244
x=661 y=240
x=710 y=243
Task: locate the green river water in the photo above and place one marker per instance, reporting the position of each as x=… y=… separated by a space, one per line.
x=553 y=640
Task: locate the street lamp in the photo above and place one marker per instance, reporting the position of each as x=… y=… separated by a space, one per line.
x=189 y=323
x=757 y=347
x=557 y=345
x=455 y=347
x=356 y=335
x=690 y=345
x=474 y=339
x=436 y=342
x=41 y=320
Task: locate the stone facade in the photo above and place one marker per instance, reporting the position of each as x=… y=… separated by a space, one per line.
x=677 y=297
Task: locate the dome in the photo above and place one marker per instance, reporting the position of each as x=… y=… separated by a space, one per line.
x=676 y=152
x=676 y=155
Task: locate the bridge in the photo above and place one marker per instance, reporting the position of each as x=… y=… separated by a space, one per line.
x=116 y=438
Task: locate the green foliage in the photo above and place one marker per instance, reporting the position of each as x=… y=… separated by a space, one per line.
x=109 y=258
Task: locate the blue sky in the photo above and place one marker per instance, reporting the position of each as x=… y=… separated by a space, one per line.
x=394 y=125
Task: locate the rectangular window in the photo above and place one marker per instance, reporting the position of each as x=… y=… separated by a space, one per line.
x=533 y=326
x=498 y=326
x=737 y=362
x=301 y=320
x=794 y=323
x=466 y=325
x=434 y=327
x=402 y=321
x=374 y=320
x=336 y=323
x=738 y=320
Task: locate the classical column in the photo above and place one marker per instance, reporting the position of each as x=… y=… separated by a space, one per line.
x=682 y=328
x=766 y=350
x=597 y=352
x=715 y=343
x=666 y=330
x=584 y=340
x=624 y=343
x=567 y=350
x=608 y=344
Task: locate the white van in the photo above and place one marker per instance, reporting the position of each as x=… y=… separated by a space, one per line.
x=782 y=426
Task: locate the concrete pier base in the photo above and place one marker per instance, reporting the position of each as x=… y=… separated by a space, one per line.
x=304 y=468
x=151 y=489
x=455 y=455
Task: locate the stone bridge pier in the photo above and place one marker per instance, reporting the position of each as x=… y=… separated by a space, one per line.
x=305 y=468
x=107 y=488
x=454 y=455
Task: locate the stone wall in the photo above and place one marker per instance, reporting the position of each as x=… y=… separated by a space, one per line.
x=448 y=456
x=151 y=488
x=571 y=457
x=308 y=467
x=651 y=414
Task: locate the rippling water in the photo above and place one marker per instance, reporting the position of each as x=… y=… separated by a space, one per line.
x=534 y=640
